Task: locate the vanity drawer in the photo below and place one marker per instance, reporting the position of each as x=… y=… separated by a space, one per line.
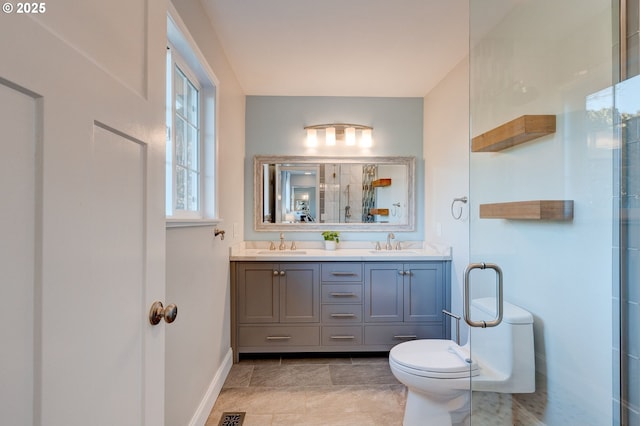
x=342 y=336
x=341 y=271
x=341 y=314
x=342 y=293
x=278 y=336
x=394 y=334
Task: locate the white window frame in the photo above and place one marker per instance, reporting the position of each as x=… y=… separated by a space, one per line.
x=175 y=63
x=190 y=60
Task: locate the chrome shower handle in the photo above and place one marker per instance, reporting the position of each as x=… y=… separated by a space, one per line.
x=467 y=295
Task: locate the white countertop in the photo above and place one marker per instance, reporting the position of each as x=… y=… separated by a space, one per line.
x=354 y=251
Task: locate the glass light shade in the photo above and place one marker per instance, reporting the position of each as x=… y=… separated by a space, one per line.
x=330 y=135
x=350 y=136
x=312 y=137
x=366 y=141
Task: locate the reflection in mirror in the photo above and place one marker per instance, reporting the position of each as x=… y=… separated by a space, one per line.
x=307 y=193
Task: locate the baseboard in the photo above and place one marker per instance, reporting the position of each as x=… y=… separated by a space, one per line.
x=202 y=413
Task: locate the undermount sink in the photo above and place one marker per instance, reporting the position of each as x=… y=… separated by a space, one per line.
x=282 y=252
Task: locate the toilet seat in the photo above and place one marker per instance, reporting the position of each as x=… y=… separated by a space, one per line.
x=432 y=358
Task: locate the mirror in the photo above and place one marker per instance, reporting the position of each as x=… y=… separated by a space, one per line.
x=337 y=193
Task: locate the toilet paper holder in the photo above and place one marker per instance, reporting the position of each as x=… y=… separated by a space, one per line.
x=457 y=318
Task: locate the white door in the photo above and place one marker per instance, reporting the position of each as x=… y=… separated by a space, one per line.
x=82 y=217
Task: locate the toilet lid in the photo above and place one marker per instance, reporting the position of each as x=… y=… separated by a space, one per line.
x=433 y=355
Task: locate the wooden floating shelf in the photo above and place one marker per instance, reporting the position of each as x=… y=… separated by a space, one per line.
x=380 y=212
x=529 y=210
x=381 y=182
x=521 y=130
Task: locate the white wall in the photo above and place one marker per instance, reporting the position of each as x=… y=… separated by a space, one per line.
x=198 y=343
x=446 y=157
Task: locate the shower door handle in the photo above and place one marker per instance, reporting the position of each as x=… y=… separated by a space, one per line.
x=467 y=295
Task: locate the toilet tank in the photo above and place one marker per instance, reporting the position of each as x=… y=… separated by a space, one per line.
x=507 y=349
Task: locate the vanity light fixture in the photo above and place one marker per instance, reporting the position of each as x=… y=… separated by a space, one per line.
x=344 y=132
x=312 y=137
x=330 y=136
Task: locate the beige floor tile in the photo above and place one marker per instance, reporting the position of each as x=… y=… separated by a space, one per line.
x=214 y=418
x=362 y=374
x=373 y=399
x=348 y=391
x=290 y=375
x=388 y=419
x=239 y=376
x=332 y=399
x=258 y=420
x=370 y=359
x=267 y=360
x=261 y=400
x=381 y=399
x=326 y=419
x=296 y=360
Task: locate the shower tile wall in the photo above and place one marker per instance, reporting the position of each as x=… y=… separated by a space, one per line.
x=351 y=191
x=331 y=186
x=341 y=186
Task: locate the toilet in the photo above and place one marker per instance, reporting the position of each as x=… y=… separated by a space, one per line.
x=437 y=372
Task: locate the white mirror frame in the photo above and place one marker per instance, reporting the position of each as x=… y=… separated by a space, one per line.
x=260 y=160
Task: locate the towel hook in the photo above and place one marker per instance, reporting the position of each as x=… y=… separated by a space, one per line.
x=462 y=200
x=217 y=232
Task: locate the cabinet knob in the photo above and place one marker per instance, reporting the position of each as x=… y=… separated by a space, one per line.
x=275 y=273
x=281 y=273
x=400 y=272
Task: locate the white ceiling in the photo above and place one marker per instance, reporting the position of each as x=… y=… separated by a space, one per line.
x=388 y=48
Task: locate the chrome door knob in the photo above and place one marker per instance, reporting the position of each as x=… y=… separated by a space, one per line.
x=158 y=312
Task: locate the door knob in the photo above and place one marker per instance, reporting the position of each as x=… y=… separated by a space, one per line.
x=158 y=311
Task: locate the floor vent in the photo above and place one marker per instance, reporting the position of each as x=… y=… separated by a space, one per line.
x=231 y=419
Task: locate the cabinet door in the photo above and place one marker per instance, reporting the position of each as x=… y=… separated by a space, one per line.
x=258 y=293
x=423 y=292
x=383 y=292
x=299 y=292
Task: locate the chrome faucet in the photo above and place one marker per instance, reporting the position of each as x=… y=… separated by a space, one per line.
x=388 y=246
x=282 y=245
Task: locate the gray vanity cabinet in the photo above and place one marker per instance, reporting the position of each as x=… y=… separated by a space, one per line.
x=404 y=292
x=383 y=292
x=423 y=292
x=336 y=306
x=278 y=293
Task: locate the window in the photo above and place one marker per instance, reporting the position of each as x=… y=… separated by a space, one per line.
x=191 y=142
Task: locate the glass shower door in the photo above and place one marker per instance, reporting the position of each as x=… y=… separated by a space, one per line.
x=541 y=200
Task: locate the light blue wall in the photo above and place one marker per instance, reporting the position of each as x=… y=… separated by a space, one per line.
x=274 y=126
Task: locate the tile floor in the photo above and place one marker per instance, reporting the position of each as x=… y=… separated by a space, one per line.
x=354 y=390
x=313 y=391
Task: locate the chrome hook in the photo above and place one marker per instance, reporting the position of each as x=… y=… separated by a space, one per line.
x=217 y=232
